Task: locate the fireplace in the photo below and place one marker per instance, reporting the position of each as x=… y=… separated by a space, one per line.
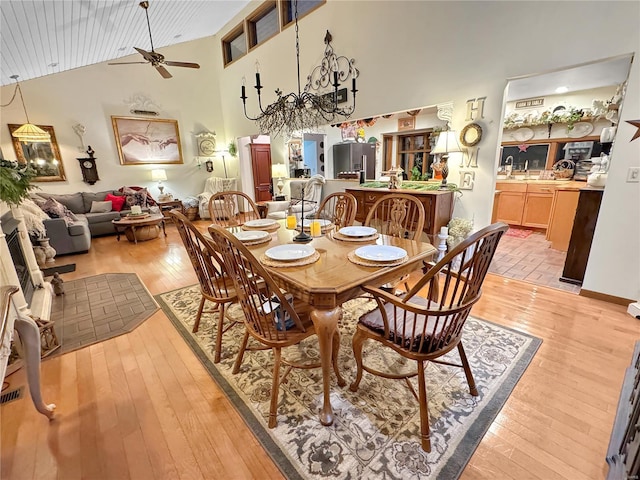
x=10 y=229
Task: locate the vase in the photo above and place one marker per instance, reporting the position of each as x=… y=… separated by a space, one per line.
x=49 y=251
x=41 y=257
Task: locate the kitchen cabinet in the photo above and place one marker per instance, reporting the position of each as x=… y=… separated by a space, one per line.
x=523 y=203
x=563 y=211
x=438 y=205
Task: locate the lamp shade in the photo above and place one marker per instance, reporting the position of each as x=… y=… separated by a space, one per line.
x=447 y=142
x=30 y=133
x=159 y=175
x=279 y=170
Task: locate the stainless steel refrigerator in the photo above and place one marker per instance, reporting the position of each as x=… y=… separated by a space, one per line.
x=353 y=157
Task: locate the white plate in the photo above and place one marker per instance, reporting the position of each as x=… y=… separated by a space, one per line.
x=580 y=129
x=290 y=252
x=251 y=235
x=262 y=222
x=323 y=223
x=523 y=134
x=381 y=253
x=358 y=231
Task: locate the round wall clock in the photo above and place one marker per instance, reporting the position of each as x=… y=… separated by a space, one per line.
x=471 y=135
x=207 y=147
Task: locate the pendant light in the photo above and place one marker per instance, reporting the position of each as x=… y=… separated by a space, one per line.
x=27 y=132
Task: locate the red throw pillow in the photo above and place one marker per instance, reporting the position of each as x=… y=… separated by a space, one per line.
x=116 y=202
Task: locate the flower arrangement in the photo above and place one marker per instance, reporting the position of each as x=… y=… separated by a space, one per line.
x=15 y=182
x=233 y=150
x=459 y=229
x=570 y=117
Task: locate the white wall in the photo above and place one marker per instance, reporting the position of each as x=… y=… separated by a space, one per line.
x=90 y=95
x=426 y=53
x=409 y=54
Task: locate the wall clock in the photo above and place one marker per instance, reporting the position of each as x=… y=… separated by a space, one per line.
x=471 y=135
x=89 y=168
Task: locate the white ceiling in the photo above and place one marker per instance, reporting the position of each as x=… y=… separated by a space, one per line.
x=612 y=71
x=50 y=36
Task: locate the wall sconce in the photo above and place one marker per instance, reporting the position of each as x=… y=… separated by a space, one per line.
x=209 y=166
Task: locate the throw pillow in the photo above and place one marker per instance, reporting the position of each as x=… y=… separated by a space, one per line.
x=101 y=207
x=116 y=202
x=133 y=197
x=55 y=209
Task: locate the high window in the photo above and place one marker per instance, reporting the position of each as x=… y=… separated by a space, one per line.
x=263 y=24
x=234 y=45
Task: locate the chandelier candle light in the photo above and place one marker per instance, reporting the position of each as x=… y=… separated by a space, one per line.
x=447 y=143
x=296 y=112
x=27 y=132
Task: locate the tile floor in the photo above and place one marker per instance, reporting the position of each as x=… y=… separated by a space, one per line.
x=530 y=259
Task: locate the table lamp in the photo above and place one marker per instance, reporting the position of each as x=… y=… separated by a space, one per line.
x=279 y=170
x=159 y=176
x=447 y=143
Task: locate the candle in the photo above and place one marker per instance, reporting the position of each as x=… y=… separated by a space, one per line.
x=258 y=80
x=444 y=231
x=315 y=229
x=353 y=85
x=136 y=209
x=243 y=92
x=335 y=78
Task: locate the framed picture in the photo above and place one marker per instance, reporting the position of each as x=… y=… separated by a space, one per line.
x=44 y=157
x=295 y=152
x=406 y=123
x=147 y=140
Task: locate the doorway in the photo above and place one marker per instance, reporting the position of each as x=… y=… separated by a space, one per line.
x=559 y=127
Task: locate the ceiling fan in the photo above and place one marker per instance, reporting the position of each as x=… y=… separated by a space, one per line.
x=154 y=58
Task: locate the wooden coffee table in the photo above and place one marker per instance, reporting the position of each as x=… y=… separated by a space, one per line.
x=140 y=229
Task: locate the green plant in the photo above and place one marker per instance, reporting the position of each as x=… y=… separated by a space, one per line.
x=15 y=182
x=233 y=150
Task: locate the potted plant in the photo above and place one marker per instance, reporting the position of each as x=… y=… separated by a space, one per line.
x=15 y=182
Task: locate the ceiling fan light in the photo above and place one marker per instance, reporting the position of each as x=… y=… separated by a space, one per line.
x=30 y=133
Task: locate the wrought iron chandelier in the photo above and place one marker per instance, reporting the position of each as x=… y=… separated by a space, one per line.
x=304 y=110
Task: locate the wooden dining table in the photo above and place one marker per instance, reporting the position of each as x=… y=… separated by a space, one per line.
x=332 y=280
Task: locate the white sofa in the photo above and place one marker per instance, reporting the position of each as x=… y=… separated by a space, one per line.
x=312 y=198
x=212 y=186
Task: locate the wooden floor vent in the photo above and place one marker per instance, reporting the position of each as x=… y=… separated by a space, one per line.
x=11 y=395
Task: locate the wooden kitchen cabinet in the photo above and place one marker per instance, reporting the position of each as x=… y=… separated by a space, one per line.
x=438 y=205
x=526 y=204
x=563 y=211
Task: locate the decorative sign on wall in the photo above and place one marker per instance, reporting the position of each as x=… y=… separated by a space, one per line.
x=475 y=108
x=467 y=179
x=532 y=102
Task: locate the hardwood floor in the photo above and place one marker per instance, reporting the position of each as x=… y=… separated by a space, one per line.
x=141 y=406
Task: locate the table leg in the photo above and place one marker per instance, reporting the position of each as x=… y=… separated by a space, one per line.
x=133 y=231
x=163 y=229
x=326 y=323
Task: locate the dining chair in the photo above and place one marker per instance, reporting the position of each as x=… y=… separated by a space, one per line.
x=397 y=215
x=215 y=285
x=270 y=315
x=425 y=327
x=232 y=208
x=340 y=208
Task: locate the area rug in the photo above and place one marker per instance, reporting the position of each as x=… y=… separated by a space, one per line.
x=518 y=232
x=375 y=433
x=100 y=307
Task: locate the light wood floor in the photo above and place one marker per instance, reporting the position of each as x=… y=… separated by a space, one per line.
x=141 y=406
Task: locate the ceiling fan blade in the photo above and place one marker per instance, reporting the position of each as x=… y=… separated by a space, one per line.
x=181 y=64
x=163 y=71
x=145 y=54
x=124 y=63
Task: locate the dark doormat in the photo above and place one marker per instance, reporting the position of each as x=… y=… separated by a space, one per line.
x=100 y=307
x=47 y=272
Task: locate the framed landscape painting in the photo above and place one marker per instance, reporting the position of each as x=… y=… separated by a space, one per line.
x=147 y=140
x=44 y=157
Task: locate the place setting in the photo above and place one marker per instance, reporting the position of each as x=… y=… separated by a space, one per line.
x=356 y=234
x=378 y=256
x=253 y=237
x=261 y=224
x=290 y=255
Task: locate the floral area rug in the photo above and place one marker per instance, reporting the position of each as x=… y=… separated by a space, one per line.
x=375 y=433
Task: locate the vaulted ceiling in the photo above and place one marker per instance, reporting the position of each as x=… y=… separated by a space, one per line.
x=50 y=36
